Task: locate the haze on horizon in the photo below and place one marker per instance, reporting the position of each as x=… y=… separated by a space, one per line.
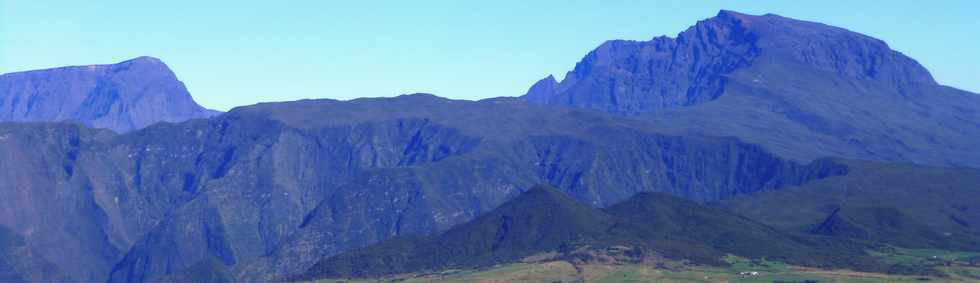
x=230 y=54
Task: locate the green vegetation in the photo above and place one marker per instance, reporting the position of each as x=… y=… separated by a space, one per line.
x=669 y=271
x=542 y=219
x=924 y=256
x=739 y=264
x=878 y=219
x=681 y=229
x=207 y=271
x=647 y=226
x=902 y=205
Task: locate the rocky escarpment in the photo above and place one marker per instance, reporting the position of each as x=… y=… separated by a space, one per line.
x=630 y=77
x=268 y=189
x=800 y=89
x=123 y=97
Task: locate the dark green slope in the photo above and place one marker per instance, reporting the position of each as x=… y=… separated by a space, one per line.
x=8 y=242
x=682 y=229
x=904 y=205
x=207 y=271
x=19 y=262
x=543 y=220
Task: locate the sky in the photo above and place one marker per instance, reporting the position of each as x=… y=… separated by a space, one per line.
x=233 y=53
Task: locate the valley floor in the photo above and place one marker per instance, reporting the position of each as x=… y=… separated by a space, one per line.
x=954 y=264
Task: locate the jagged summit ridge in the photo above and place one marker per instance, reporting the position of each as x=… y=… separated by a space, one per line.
x=673 y=72
x=803 y=90
x=631 y=77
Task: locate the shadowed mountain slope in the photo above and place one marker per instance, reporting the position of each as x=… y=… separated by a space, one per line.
x=541 y=219
x=544 y=220
x=268 y=189
x=802 y=90
x=20 y=262
x=904 y=205
x=122 y=97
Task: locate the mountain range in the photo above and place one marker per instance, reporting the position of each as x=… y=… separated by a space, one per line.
x=729 y=122
x=275 y=186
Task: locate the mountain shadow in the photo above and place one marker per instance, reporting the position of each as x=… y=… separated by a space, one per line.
x=897 y=204
x=544 y=220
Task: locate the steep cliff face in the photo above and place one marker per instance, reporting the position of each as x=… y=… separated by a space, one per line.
x=268 y=189
x=491 y=151
x=123 y=97
x=802 y=90
x=629 y=77
x=49 y=205
x=20 y=261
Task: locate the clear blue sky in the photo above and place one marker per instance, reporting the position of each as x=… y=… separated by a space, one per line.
x=232 y=53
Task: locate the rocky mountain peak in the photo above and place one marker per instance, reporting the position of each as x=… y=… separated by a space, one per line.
x=829 y=91
x=542 y=90
x=123 y=97
x=630 y=77
x=144 y=65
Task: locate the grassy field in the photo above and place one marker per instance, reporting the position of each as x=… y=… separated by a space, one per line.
x=925 y=256
x=953 y=264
